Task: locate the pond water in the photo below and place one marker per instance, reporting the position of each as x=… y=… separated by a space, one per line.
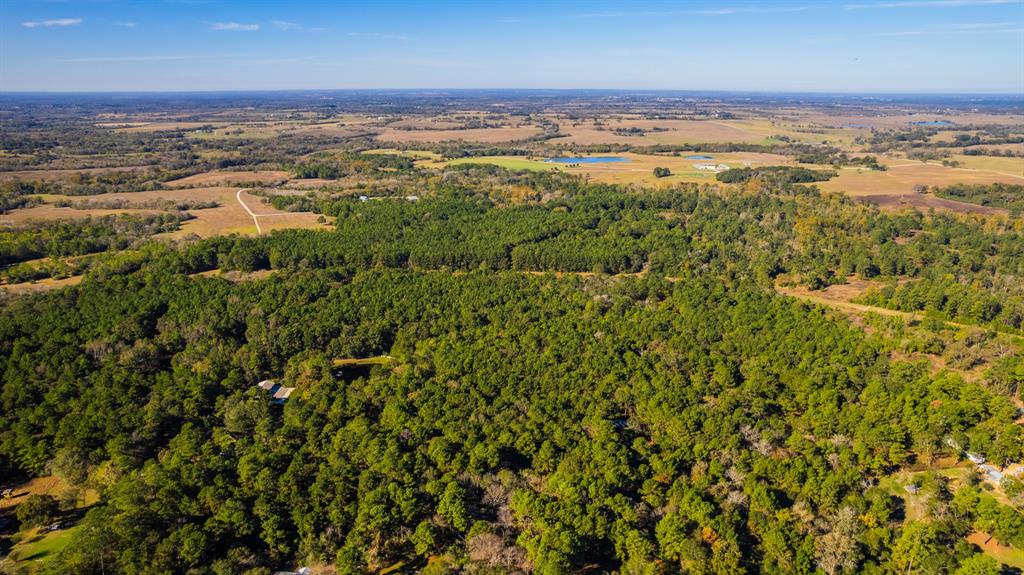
x=933 y=123
x=588 y=160
x=699 y=158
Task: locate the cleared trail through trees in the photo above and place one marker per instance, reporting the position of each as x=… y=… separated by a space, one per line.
x=802 y=293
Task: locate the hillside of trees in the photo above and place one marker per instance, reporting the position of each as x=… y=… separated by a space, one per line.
x=587 y=379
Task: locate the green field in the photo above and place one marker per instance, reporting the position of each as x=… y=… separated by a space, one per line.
x=509 y=162
x=37 y=547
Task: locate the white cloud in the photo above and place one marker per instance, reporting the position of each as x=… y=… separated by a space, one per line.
x=423 y=62
x=723 y=11
x=234 y=27
x=747 y=10
x=377 y=35
x=283 y=25
x=960 y=29
x=929 y=4
x=147 y=58
x=125 y=24
x=51 y=23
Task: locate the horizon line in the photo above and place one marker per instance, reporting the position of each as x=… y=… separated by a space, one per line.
x=1019 y=95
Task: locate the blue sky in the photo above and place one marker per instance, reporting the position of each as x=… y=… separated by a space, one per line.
x=972 y=46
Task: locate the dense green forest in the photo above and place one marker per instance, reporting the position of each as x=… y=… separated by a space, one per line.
x=588 y=380
x=1007 y=196
x=79 y=237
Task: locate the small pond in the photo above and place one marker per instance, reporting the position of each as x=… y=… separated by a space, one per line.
x=588 y=160
x=699 y=158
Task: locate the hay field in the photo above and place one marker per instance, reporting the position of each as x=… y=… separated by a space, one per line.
x=47 y=212
x=895 y=188
x=1000 y=165
x=507 y=162
x=485 y=135
x=638 y=170
x=897 y=119
x=677 y=132
x=135 y=127
x=224 y=178
x=227 y=218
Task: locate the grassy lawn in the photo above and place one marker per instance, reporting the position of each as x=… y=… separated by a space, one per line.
x=508 y=162
x=38 y=546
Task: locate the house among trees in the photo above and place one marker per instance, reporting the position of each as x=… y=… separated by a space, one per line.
x=712 y=167
x=975 y=458
x=991 y=473
x=278 y=393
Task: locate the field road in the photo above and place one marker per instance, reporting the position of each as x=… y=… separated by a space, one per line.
x=801 y=293
x=238 y=196
x=256 y=217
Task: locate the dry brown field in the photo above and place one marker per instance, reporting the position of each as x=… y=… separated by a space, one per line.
x=39 y=286
x=898 y=120
x=162 y=126
x=48 y=212
x=894 y=188
x=229 y=217
x=678 y=132
x=223 y=178
x=486 y=135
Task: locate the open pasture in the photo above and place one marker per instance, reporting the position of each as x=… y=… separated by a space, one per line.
x=221 y=178
x=896 y=119
x=613 y=131
x=894 y=188
x=228 y=217
x=639 y=169
x=485 y=135
x=999 y=165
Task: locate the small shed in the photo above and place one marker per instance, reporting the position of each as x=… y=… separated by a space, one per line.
x=975 y=458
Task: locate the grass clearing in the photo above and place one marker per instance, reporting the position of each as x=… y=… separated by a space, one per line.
x=362 y=361
x=36 y=546
x=1004 y=554
x=227 y=218
x=227 y=178
x=41 y=285
x=894 y=188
